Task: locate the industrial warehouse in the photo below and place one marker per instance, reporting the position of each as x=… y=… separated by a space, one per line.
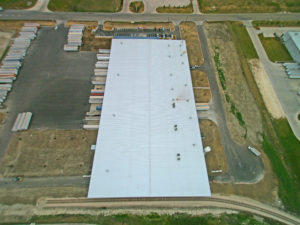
x=291 y=41
x=149 y=142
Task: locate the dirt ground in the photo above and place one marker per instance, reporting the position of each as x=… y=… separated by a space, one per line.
x=92 y=43
x=188 y=31
x=2 y=117
x=4 y=41
x=15 y=26
x=264 y=191
x=108 y=25
x=216 y=158
x=202 y=95
x=18 y=204
x=92 y=24
x=269 y=96
x=49 y=153
x=11 y=196
x=236 y=86
x=199 y=79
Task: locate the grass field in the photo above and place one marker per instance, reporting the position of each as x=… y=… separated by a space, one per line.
x=86 y=5
x=248 y=6
x=155 y=219
x=275 y=49
x=136 y=7
x=17 y=4
x=176 y=9
x=274 y=23
x=245 y=42
x=279 y=142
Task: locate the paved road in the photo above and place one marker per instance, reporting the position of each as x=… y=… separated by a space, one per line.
x=243 y=166
x=284 y=87
x=125 y=8
x=40 y=5
x=195 y=7
x=35 y=15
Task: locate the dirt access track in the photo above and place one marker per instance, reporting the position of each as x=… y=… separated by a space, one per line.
x=190 y=203
x=49 y=153
x=267 y=91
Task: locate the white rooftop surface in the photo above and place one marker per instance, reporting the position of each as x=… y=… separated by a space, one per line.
x=137 y=145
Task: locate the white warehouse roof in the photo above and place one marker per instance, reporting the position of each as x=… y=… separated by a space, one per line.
x=147 y=146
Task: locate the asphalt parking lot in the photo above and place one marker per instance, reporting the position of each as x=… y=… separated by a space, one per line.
x=54 y=85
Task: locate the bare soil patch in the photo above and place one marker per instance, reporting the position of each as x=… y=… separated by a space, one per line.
x=92 y=24
x=189 y=33
x=236 y=86
x=15 y=26
x=49 y=153
x=263 y=82
x=2 y=117
x=202 y=95
x=11 y=196
x=264 y=191
x=199 y=79
x=216 y=158
x=109 y=25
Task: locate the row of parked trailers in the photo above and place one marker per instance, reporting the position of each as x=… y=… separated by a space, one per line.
x=74 y=38
x=292 y=70
x=13 y=60
x=97 y=93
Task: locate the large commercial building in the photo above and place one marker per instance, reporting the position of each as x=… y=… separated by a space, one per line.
x=292 y=42
x=149 y=142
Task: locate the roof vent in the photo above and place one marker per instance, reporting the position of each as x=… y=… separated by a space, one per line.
x=175 y=127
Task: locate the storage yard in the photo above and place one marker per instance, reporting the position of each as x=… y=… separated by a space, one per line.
x=13 y=59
